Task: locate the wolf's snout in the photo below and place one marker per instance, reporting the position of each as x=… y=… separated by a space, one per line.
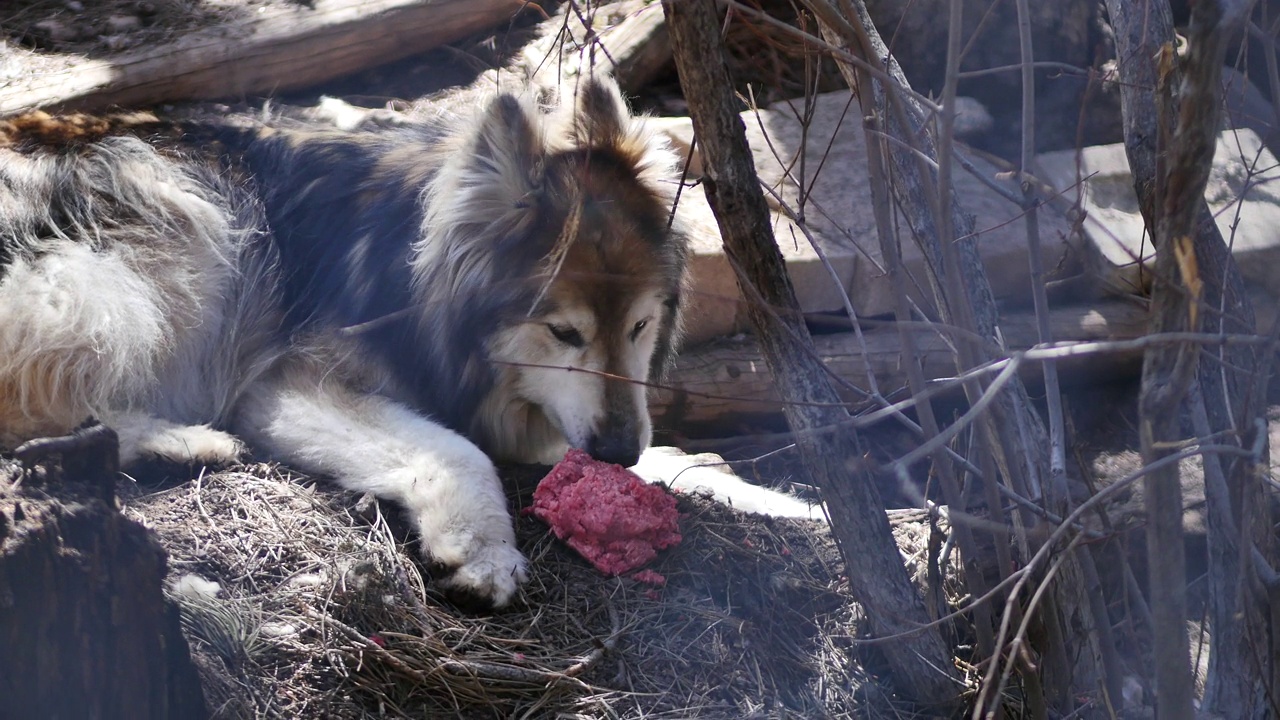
x=621 y=448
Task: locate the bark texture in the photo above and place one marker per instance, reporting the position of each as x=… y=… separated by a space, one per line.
x=920 y=659
x=85 y=630
x=1170 y=114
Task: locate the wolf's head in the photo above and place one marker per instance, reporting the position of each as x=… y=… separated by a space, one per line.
x=562 y=217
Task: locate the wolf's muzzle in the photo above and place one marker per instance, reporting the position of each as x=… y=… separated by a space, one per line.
x=619 y=445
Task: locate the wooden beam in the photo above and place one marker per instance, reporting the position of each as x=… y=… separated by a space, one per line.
x=283 y=47
x=714 y=383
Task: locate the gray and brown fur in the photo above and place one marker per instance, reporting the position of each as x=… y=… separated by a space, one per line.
x=391 y=308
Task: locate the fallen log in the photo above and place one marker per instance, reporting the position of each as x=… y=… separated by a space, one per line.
x=639 y=47
x=629 y=40
x=717 y=382
x=284 y=46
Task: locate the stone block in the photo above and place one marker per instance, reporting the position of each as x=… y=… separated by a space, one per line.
x=716 y=306
x=837 y=190
x=818 y=169
x=1242 y=192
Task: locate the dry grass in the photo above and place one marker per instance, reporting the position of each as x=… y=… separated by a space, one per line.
x=323 y=612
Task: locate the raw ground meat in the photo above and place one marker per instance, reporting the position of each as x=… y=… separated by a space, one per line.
x=605 y=512
x=650 y=577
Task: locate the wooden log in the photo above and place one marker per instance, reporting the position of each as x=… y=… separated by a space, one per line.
x=283 y=47
x=639 y=46
x=85 y=631
x=628 y=40
x=716 y=382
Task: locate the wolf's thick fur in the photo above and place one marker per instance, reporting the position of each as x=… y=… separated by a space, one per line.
x=393 y=309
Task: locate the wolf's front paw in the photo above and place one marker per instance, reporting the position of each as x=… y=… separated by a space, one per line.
x=456 y=500
x=491 y=575
x=195 y=444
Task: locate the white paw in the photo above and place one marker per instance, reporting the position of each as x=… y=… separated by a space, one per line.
x=709 y=474
x=492 y=573
x=196 y=444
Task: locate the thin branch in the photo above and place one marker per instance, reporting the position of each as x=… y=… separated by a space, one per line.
x=835 y=51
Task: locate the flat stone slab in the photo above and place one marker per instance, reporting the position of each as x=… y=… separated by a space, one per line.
x=716 y=306
x=1243 y=192
x=820 y=172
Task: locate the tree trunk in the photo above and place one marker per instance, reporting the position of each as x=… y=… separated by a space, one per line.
x=85 y=631
x=1229 y=386
x=920 y=658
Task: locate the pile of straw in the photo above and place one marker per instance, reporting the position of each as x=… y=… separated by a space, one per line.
x=321 y=609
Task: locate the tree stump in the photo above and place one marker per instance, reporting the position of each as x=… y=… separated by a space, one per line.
x=85 y=631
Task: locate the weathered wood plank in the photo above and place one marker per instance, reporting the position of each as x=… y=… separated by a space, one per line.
x=716 y=381
x=281 y=48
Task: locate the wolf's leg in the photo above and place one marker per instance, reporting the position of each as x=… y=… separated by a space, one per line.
x=368 y=443
x=142 y=435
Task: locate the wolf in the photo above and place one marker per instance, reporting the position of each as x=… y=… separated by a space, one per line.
x=396 y=309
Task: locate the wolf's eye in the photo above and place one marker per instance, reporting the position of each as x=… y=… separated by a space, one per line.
x=640 y=326
x=567 y=334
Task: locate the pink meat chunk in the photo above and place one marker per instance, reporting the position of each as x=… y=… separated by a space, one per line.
x=650 y=577
x=615 y=520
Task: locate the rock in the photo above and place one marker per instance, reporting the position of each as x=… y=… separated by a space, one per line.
x=716 y=306
x=679 y=132
x=838 y=213
x=840 y=207
x=1247 y=107
x=972 y=118
x=1241 y=192
x=716 y=303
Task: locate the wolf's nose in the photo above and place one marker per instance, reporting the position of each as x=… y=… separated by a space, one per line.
x=613 y=449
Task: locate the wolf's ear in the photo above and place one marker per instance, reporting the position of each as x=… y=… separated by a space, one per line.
x=489 y=183
x=507 y=146
x=600 y=116
x=485 y=193
x=600 y=120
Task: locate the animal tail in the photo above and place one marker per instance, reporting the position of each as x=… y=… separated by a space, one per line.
x=38 y=128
